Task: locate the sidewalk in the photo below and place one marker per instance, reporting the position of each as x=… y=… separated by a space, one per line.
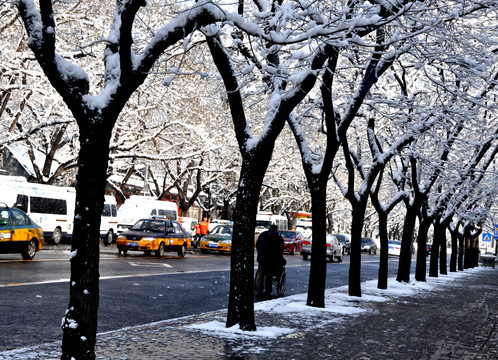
x=454 y=316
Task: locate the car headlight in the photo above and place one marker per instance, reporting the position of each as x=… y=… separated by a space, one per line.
x=121 y=237
x=226 y=241
x=148 y=238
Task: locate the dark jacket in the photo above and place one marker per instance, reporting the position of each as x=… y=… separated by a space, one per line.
x=270 y=246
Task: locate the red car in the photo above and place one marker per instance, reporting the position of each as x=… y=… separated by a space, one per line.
x=293 y=241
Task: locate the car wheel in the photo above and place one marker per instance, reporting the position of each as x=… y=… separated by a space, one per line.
x=57 y=236
x=305 y=256
x=109 y=237
x=182 y=251
x=293 y=250
x=331 y=258
x=339 y=258
x=204 y=251
x=30 y=251
x=160 y=250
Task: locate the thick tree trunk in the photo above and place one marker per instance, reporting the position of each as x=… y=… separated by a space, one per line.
x=384 y=248
x=79 y=324
x=318 y=267
x=405 y=257
x=466 y=259
x=454 y=249
x=241 y=298
x=461 y=250
x=421 y=267
x=358 y=215
x=436 y=244
x=443 y=267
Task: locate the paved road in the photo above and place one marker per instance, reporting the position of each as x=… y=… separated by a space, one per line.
x=134 y=290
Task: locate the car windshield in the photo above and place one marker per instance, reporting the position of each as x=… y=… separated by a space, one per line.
x=150 y=225
x=263 y=223
x=366 y=241
x=223 y=230
x=288 y=234
x=394 y=242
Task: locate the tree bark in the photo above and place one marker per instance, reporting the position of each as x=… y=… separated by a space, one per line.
x=241 y=297
x=384 y=249
x=79 y=324
x=421 y=267
x=358 y=215
x=318 y=267
x=436 y=244
x=405 y=257
x=454 y=249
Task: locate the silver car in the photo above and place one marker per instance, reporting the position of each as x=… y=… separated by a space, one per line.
x=333 y=250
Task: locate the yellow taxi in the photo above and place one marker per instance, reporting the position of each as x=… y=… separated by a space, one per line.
x=219 y=239
x=158 y=235
x=19 y=234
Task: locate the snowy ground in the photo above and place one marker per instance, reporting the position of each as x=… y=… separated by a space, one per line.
x=337 y=302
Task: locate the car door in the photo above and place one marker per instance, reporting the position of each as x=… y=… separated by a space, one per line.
x=299 y=242
x=21 y=226
x=6 y=230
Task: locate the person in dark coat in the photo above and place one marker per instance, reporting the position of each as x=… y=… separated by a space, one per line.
x=270 y=246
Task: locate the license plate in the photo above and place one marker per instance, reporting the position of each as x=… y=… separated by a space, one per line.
x=213 y=245
x=133 y=244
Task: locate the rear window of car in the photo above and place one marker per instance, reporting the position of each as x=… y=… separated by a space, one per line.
x=287 y=233
x=150 y=225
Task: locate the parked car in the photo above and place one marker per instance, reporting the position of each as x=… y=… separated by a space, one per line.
x=394 y=247
x=18 y=233
x=219 y=239
x=293 y=241
x=345 y=242
x=157 y=235
x=368 y=245
x=333 y=249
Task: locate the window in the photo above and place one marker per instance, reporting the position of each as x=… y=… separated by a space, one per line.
x=169 y=214
x=109 y=210
x=48 y=205
x=178 y=228
x=22 y=203
x=19 y=219
x=4 y=217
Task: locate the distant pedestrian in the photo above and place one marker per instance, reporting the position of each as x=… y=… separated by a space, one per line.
x=197 y=237
x=270 y=246
x=204 y=226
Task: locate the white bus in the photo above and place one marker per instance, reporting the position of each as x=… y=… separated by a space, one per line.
x=51 y=207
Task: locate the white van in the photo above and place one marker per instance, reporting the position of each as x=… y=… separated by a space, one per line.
x=266 y=218
x=51 y=207
x=188 y=223
x=143 y=207
x=263 y=221
x=281 y=221
x=109 y=221
x=304 y=226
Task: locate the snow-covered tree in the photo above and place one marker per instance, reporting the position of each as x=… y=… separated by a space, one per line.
x=96 y=105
